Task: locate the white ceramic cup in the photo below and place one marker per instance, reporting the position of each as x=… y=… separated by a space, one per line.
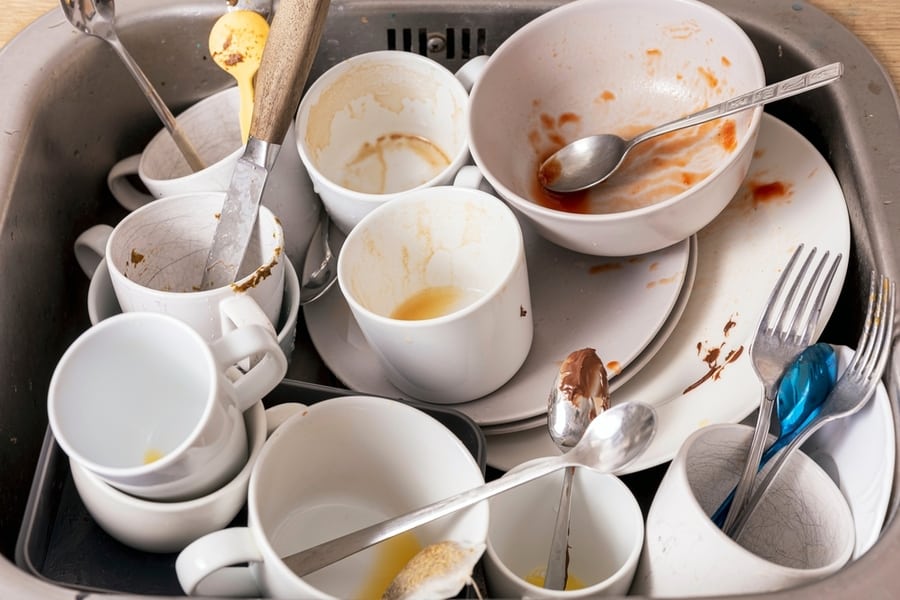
x=142 y=401
x=102 y=304
x=606 y=534
x=343 y=464
x=152 y=526
x=156 y=256
x=801 y=531
x=437 y=281
x=212 y=126
x=378 y=124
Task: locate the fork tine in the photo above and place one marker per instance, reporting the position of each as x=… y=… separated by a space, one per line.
x=863 y=346
x=777 y=289
x=783 y=307
x=815 y=311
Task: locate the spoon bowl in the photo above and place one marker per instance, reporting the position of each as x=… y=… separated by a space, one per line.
x=236 y=43
x=593 y=159
x=612 y=440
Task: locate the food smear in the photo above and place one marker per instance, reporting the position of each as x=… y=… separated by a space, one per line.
x=391 y=556
x=394 y=162
x=655 y=170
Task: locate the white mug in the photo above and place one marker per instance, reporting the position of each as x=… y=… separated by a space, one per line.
x=343 y=464
x=156 y=256
x=159 y=526
x=378 y=124
x=606 y=534
x=801 y=531
x=437 y=281
x=142 y=401
x=213 y=127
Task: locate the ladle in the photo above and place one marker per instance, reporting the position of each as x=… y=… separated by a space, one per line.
x=580 y=392
x=591 y=160
x=611 y=441
x=236 y=43
x=98 y=18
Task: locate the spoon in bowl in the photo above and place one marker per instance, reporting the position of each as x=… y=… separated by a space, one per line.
x=236 y=43
x=611 y=441
x=324 y=275
x=580 y=392
x=591 y=160
x=98 y=18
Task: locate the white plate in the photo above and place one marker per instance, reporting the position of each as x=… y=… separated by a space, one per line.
x=637 y=364
x=741 y=256
x=858 y=454
x=616 y=305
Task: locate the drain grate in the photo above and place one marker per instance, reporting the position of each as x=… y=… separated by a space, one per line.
x=451 y=44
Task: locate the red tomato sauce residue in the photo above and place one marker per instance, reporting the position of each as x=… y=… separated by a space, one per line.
x=605 y=96
x=728 y=135
x=726 y=62
x=711 y=80
x=768 y=192
x=654 y=52
x=614 y=367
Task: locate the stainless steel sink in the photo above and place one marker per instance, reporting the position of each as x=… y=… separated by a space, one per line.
x=70 y=110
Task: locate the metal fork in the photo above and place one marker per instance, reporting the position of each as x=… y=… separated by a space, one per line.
x=784 y=330
x=852 y=391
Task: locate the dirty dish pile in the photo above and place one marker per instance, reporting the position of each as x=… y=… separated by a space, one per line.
x=463 y=282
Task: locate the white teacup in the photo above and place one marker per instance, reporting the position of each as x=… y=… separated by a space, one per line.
x=102 y=304
x=142 y=401
x=605 y=539
x=343 y=464
x=801 y=531
x=212 y=125
x=156 y=256
x=170 y=526
x=378 y=124
x=437 y=281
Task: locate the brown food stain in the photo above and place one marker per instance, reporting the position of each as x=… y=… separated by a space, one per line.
x=767 y=192
x=605 y=96
x=604 y=267
x=725 y=61
x=716 y=358
x=711 y=80
x=614 y=367
x=136 y=257
x=654 y=52
x=258 y=276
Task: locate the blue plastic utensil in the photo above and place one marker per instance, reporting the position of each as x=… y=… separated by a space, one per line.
x=802 y=391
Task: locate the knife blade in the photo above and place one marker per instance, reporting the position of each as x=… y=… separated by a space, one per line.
x=287 y=58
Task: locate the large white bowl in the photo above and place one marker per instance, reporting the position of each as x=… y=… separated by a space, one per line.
x=619 y=66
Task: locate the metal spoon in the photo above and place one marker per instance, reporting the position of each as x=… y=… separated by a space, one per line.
x=98 y=18
x=590 y=160
x=321 y=279
x=580 y=392
x=611 y=441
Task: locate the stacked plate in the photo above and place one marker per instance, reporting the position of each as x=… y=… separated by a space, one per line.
x=673 y=327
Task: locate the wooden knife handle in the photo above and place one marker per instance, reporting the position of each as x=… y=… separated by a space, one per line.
x=287 y=58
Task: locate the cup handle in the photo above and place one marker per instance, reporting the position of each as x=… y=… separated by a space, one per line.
x=469 y=176
x=471 y=71
x=121 y=188
x=90 y=247
x=204 y=566
x=262 y=377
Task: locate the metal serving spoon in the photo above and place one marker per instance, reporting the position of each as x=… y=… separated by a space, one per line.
x=321 y=279
x=590 y=160
x=611 y=441
x=580 y=392
x=98 y=18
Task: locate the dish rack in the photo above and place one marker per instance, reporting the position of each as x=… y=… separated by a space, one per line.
x=70 y=111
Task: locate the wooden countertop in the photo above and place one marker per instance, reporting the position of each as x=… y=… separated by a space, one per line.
x=875 y=22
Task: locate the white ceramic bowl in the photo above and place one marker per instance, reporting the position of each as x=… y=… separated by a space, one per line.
x=170 y=526
x=619 y=66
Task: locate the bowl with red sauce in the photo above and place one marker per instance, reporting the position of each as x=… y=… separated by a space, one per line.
x=618 y=66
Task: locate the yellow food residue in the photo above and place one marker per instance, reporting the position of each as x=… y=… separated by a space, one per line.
x=536 y=577
x=153 y=455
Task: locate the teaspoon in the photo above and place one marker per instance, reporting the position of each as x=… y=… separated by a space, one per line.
x=611 y=441
x=98 y=18
x=324 y=275
x=591 y=160
x=580 y=392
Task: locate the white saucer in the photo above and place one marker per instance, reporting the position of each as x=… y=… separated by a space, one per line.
x=637 y=364
x=616 y=305
x=741 y=255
